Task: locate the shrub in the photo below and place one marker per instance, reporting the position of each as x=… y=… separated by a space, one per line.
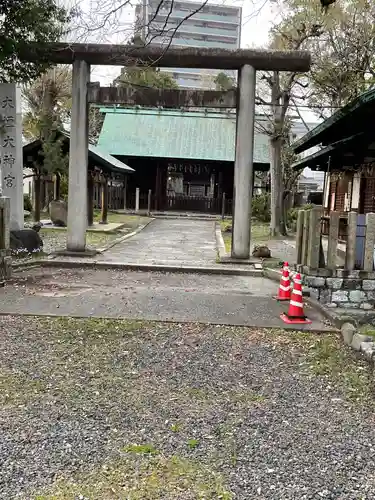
x=261 y=207
x=27 y=205
x=293 y=214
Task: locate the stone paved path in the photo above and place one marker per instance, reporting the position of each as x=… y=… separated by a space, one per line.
x=175 y=241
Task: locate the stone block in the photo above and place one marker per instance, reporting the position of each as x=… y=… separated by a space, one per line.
x=366 y=306
x=347 y=332
x=357 y=340
x=324 y=273
x=357 y=296
x=351 y=284
x=325 y=296
x=58 y=211
x=368 y=349
x=367 y=275
x=314 y=281
x=345 y=273
x=261 y=251
x=368 y=285
x=26 y=239
x=315 y=293
x=334 y=283
x=331 y=305
x=340 y=296
x=349 y=305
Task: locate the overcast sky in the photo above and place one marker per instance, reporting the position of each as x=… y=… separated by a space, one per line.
x=257 y=16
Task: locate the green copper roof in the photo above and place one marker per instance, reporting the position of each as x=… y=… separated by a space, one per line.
x=175 y=134
x=319 y=133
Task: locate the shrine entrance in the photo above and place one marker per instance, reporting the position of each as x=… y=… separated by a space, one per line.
x=247 y=62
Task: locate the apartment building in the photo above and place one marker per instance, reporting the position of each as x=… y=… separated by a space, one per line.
x=188 y=24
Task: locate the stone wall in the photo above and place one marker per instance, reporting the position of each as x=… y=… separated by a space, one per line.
x=341 y=288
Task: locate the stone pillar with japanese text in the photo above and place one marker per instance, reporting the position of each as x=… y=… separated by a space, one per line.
x=11 y=164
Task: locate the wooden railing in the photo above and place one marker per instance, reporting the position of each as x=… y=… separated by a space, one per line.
x=318 y=239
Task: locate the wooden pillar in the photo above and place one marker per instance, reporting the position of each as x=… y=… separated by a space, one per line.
x=37 y=196
x=299 y=235
x=90 y=198
x=125 y=185
x=223 y=207
x=110 y=194
x=314 y=243
x=368 y=262
x=333 y=239
x=157 y=188
x=163 y=188
x=104 y=201
x=137 y=199
x=57 y=186
x=149 y=202
x=351 y=241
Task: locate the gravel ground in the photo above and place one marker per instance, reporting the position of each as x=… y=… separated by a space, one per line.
x=96 y=409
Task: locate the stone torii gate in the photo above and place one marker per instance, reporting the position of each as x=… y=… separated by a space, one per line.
x=247 y=62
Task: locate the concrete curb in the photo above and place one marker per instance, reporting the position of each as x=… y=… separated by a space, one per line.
x=363 y=344
x=124 y=238
x=225 y=258
x=220 y=241
x=156 y=215
x=93 y=264
x=168 y=321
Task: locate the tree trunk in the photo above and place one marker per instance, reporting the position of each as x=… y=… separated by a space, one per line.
x=276 y=185
x=37 y=197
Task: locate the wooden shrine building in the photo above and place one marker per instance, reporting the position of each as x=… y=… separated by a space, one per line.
x=185 y=157
x=347 y=156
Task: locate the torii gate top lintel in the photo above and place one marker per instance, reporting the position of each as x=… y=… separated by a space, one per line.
x=185 y=57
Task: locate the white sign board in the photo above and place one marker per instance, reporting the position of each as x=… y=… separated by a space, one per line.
x=11 y=165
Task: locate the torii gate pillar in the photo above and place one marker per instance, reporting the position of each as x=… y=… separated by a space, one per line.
x=243 y=163
x=78 y=159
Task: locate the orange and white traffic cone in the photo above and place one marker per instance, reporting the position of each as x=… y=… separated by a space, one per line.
x=295 y=314
x=284 y=287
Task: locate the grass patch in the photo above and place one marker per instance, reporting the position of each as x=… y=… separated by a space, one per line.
x=93 y=239
x=142 y=449
x=94 y=326
x=193 y=443
x=368 y=330
x=259 y=234
x=326 y=356
x=18 y=389
x=132 y=221
x=152 y=478
x=176 y=427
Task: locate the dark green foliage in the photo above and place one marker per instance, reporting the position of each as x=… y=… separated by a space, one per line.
x=293 y=214
x=27 y=205
x=224 y=82
x=23 y=21
x=145 y=77
x=261 y=207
